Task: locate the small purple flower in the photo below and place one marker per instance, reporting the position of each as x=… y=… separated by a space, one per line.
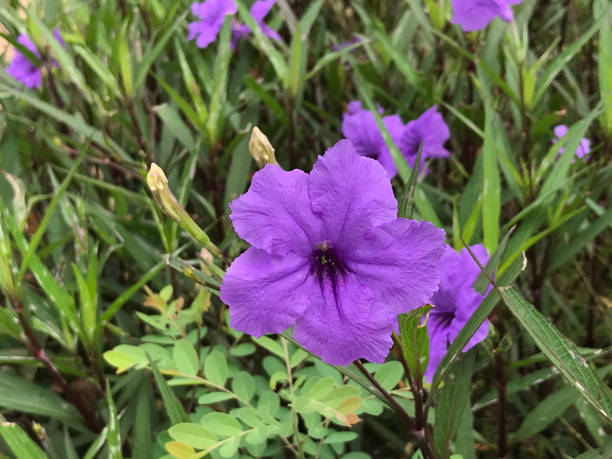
x=330 y=257
x=359 y=126
x=259 y=10
x=24 y=71
x=584 y=148
x=454 y=303
x=211 y=14
x=344 y=44
x=476 y=14
x=430 y=129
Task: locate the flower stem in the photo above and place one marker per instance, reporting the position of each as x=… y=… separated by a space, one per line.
x=420 y=433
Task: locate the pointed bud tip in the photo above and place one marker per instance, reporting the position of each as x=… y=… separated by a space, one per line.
x=156 y=179
x=261 y=149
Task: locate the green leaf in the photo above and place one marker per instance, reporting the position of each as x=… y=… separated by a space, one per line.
x=218 y=97
x=193 y=434
x=185 y=357
x=276 y=59
x=270 y=345
x=151 y=54
x=214 y=397
x=491 y=190
x=20 y=394
x=142 y=430
x=243 y=385
x=295 y=57
x=19 y=442
x=556 y=66
x=176 y=125
x=175 y=410
x=222 y=424
x=415 y=340
x=389 y=374
x=243 y=349
x=339 y=437
x=125 y=64
x=561 y=352
x=75 y=122
x=113 y=437
x=215 y=368
x=453 y=398
x=47 y=217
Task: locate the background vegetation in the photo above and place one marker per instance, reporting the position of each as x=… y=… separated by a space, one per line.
x=108 y=350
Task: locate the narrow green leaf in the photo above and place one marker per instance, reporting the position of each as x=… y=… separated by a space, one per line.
x=491 y=189
x=176 y=125
x=453 y=398
x=19 y=442
x=113 y=437
x=47 y=217
x=218 y=97
x=20 y=394
x=175 y=410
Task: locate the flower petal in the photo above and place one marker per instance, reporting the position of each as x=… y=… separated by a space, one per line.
x=275 y=214
x=344 y=322
x=351 y=194
x=438 y=331
x=260 y=9
x=398 y=261
x=266 y=293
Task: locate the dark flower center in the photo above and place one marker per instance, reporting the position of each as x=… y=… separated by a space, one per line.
x=326 y=264
x=445 y=318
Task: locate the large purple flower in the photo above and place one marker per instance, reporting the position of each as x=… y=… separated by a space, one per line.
x=359 y=126
x=431 y=130
x=330 y=257
x=476 y=14
x=584 y=148
x=454 y=303
x=211 y=14
x=24 y=71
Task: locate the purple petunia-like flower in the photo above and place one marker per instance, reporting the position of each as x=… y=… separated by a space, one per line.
x=474 y=15
x=212 y=15
x=584 y=148
x=454 y=303
x=359 y=126
x=330 y=257
x=22 y=69
x=431 y=130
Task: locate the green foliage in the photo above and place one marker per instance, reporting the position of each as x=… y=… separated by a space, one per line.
x=113 y=339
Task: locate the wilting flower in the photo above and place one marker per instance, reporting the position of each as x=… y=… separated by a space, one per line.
x=476 y=14
x=259 y=10
x=359 y=126
x=584 y=148
x=22 y=69
x=454 y=303
x=211 y=14
x=330 y=257
x=431 y=130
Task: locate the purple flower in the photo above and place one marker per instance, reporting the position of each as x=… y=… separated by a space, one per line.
x=584 y=148
x=454 y=303
x=476 y=14
x=359 y=126
x=330 y=257
x=259 y=10
x=24 y=71
x=344 y=44
x=430 y=129
x=211 y=14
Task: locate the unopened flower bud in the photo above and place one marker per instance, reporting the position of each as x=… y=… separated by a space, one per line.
x=261 y=149
x=158 y=184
